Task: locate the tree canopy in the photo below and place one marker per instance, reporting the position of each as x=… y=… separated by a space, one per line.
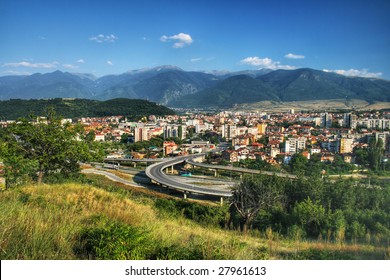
x=38 y=147
x=255 y=193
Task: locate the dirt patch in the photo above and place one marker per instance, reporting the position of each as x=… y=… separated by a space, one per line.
x=313 y=105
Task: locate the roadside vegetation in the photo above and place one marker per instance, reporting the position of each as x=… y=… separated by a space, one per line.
x=104 y=220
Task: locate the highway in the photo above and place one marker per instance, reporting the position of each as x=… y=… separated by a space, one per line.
x=155 y=172
x=153 y=160
x=241 y=170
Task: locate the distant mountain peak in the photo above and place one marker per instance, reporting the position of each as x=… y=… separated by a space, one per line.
x=155 y=69
x=86 y=76
x=168 y=67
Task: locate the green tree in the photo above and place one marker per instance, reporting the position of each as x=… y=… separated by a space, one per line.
x=46 y=144
x=255 y=193
x=16 y=167
x=298 y=164
x=375 y=154
x=361 y=156
x=310 y=215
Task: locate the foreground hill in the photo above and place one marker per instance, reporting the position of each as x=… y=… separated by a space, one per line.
x=102 y=221
x=74 y=108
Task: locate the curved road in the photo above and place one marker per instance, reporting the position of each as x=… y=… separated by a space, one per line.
x=135 y=160
x=241 y=170
x=155 y=173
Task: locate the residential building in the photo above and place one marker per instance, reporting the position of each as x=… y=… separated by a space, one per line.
x=346 y=145
x=295 y=145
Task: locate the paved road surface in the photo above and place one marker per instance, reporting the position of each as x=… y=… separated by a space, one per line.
x=155 y=172
x=112 y=177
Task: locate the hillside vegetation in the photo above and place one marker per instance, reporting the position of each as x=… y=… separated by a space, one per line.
x=76 y=108
x=101 y=220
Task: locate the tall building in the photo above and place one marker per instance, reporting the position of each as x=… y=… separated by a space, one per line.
x=179 y=131
x=229 y=131
x=261 y=128
x=294 y=145
x=346 y=145
x=141 y=134
x=385 y=136
x=350 y=120
x=326 y=120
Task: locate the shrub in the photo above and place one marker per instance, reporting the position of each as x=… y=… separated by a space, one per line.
x=113 y=241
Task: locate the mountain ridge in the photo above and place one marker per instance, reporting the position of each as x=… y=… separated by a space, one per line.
x=172 y=86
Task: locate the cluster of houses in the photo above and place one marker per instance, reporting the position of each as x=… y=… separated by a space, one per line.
x=273 y=138
x=250 y=135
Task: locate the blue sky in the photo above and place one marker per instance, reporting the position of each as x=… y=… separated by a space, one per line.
x=112 y=37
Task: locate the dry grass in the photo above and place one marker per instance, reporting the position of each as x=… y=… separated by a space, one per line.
x=316 y=105
x=43 y=222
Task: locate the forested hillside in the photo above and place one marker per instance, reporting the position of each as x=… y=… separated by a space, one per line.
x=74 y=108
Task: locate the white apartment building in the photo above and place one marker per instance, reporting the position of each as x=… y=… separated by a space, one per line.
x=295 y=145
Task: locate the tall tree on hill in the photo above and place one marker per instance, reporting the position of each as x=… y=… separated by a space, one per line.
x=375 y=153
x=255 y=193
x=47 y=145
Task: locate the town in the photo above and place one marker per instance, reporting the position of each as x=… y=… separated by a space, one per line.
x=244 y=136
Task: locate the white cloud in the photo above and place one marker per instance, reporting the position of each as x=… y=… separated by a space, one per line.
x=101 y=38
x=80 y=61
x=196 y=59
x=109 y=62
x=27 y=64
x=181 y=40
x=267 y=63
x=18 y=73
x=69 y=66
x=356 y=73
x=294 y=56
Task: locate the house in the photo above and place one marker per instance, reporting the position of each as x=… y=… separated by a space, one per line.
x=257 y=146
x=274 y=152
x=327 y=157
x=137 y=155
x=315 y=150
x=197 y=149
x=99 y=137
x=169 y=147
x=348 y=158
x=306 y=154
x=230 y=155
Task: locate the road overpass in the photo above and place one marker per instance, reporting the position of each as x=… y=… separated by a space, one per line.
x=134 y=160
x=238 y=169
x=156 y=174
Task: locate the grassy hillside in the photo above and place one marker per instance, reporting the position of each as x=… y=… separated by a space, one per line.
x=73 y=108
x=100 y=220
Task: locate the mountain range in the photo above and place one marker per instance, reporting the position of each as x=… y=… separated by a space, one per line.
x=174 y=87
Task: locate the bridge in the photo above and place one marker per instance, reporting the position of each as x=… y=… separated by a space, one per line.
x=156 y=174
x=238 y=169
x=135 y=160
